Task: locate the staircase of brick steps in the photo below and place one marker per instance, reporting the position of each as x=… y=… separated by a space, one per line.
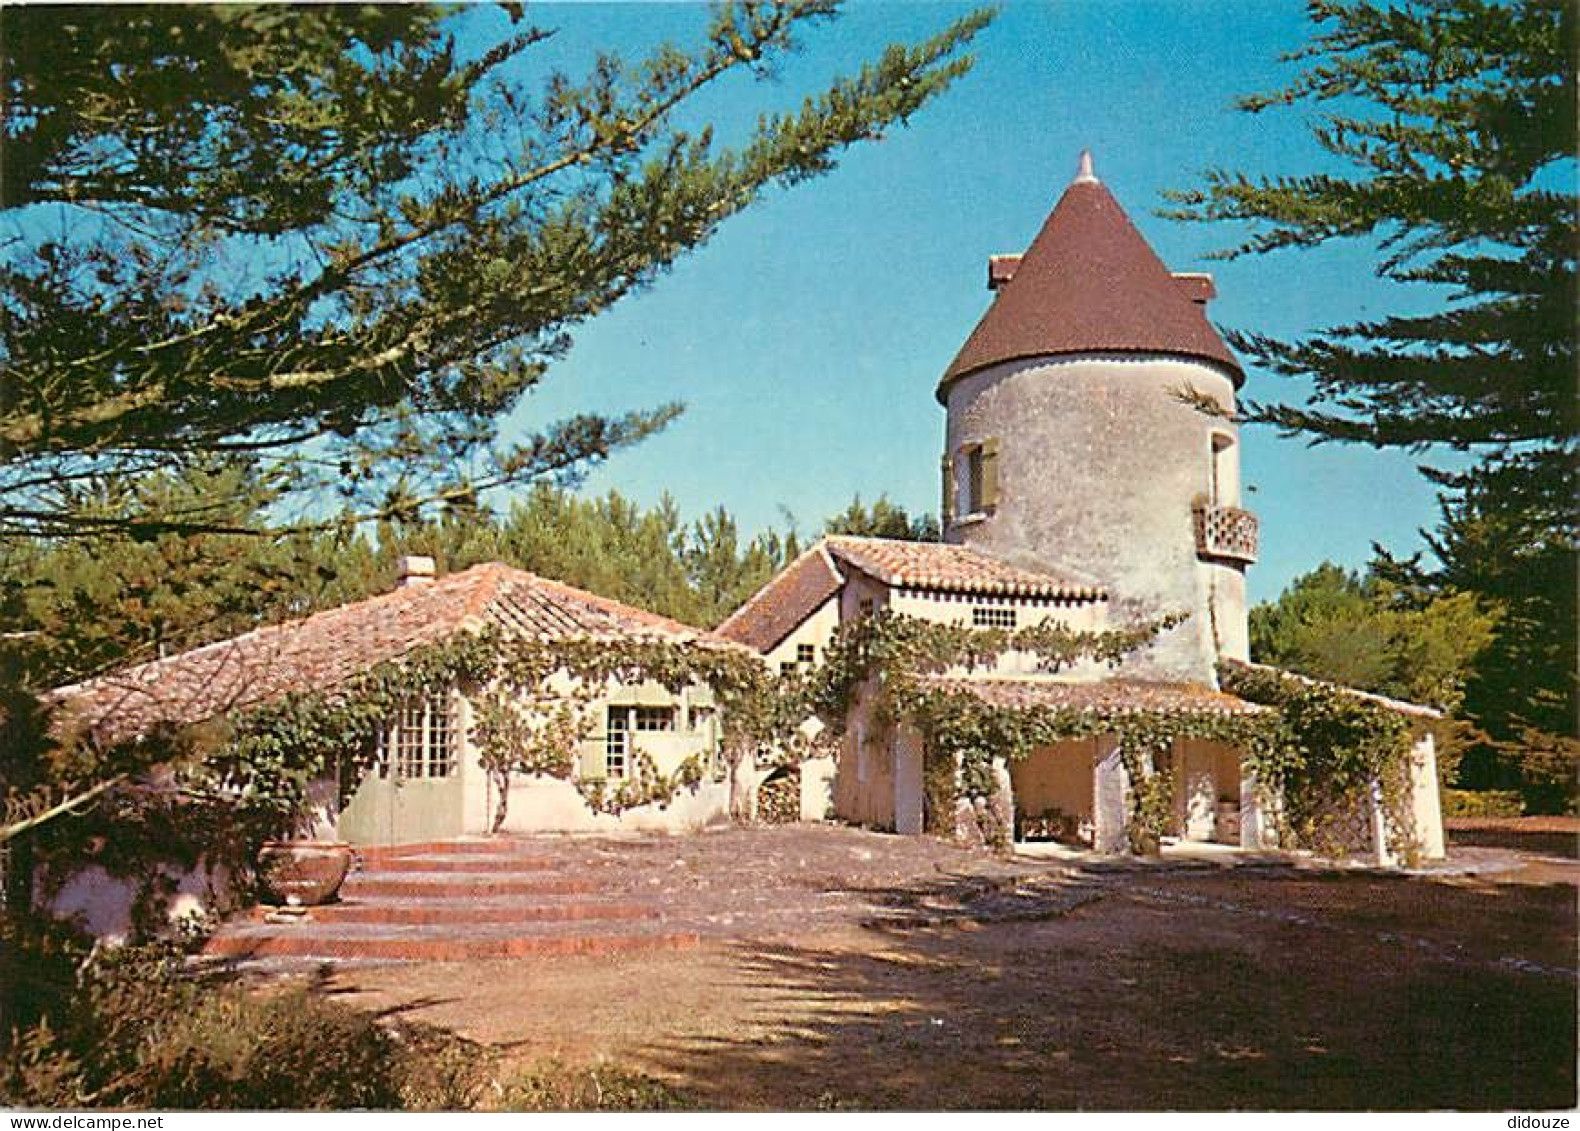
x=450 y=901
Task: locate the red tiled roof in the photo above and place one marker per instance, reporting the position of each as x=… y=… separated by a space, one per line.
x=954 y=569
x=1106 y=697
x=329 y=647
x=778 y=608
x=1090 y=283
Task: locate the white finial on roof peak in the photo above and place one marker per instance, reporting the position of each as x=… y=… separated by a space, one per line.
x=1084 y=175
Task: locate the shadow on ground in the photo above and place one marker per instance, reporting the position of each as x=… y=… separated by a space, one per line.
x=1192 y=992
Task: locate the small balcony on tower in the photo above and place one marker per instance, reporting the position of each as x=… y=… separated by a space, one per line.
x=1225 y=533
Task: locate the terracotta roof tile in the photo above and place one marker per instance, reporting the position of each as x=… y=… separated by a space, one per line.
x=1107 y=697
x=1090 y=283
x=778 y=608
x=326 y=649
x=955 y=569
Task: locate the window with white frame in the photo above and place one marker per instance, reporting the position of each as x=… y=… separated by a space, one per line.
x=623 y=721
x=806 y=654
x=418 y=742
x=992 y=616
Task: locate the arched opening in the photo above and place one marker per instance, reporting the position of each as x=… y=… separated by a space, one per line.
x=1225 y=471
x=779 y=797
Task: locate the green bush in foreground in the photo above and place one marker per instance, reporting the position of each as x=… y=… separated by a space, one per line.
x=601 y=1087
x=137 y=1032
x=134 y=1028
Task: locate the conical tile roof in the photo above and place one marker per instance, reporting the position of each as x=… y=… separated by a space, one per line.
x=1090 y=283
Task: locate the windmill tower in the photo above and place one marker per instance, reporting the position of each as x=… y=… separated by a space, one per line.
x=1071 y=440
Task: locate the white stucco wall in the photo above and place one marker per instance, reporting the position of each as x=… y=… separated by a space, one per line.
x=816 y=630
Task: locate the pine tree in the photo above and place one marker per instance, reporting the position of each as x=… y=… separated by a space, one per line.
x=321 y=235
x=1454 y=122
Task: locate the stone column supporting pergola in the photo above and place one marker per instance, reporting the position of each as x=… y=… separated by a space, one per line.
x=1110 y=797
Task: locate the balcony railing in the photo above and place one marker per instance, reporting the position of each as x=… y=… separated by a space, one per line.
x=1226 y=532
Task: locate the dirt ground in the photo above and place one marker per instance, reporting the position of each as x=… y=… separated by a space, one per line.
x=848 y=969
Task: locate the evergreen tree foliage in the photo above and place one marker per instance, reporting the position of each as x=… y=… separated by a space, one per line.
x=326 y=236
x=1380 y=634
x=884 y=519
x=1371 y=633
x=1451 y=127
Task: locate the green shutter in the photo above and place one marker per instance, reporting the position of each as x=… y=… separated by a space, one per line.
x=948 y=467
x=989 y=474
x=591 y=765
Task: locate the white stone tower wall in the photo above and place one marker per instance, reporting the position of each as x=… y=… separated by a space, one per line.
x=1099 y=465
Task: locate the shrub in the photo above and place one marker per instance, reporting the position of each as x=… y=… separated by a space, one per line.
x=1482 y=803
x=290 y=1049
x=553 y=1086
x=139 y=1032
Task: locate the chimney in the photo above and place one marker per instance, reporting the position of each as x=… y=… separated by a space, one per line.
x=414 y=569
x=1196 y=286
x=1001 y=269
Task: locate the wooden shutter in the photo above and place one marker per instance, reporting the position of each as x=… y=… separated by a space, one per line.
x=948 y=467
x=989 y=474
x=592 y=765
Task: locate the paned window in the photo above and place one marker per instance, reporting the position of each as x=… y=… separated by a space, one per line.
x=418 y=742
x=617 y=742
x=623 y=722
x=806 y=654
x=654 y=718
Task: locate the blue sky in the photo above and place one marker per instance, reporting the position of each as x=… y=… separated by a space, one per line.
x=807 y=337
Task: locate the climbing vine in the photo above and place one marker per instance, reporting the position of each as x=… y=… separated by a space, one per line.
x=885 y=656
x=1336 y=747
x=249 y=773
x=643 y=784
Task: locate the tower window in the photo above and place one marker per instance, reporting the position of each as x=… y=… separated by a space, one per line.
x=1225 y=471
x=988 y=616
x=981 y=486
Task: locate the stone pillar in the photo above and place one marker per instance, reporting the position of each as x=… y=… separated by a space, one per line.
x=1382 y=827
x=1252 y=819
x=1426 y=804
x=817 y=788
x=1110 y=808
x=907 y=783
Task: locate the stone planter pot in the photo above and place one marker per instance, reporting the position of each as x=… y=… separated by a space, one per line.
x=302 y=873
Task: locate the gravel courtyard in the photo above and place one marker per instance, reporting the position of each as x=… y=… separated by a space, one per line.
x=847 y=969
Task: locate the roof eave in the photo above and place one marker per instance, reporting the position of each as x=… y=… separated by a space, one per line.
x=1230 y=368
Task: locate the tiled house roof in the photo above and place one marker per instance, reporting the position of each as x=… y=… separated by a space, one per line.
x=324 y=650
x=1090 y=283
x=778 y=608
x=1109 y=697
x=802 y=587
x=955 y=569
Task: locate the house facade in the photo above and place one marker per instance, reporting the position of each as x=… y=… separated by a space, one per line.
x=425 y=777
x=1090 y=477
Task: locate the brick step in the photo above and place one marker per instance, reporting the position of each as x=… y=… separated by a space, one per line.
x=460 y=912
x=459 y=863
x=364 y=885
x=494 y=846
x=441 y=948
